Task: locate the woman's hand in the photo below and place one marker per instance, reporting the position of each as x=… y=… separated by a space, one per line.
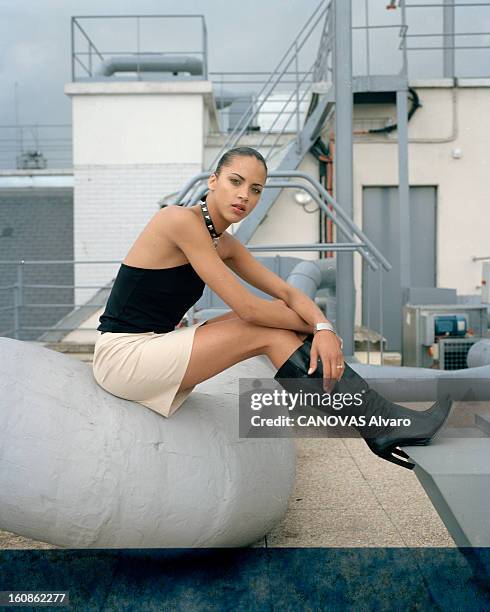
x=326 y=346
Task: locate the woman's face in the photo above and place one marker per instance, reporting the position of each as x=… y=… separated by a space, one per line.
x=237 y=188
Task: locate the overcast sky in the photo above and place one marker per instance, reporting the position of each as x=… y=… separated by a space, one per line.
x=243 y=35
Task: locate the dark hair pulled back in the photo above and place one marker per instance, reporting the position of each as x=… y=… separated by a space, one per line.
x=227 y=158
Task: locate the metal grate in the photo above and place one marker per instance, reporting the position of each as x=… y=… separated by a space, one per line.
x=453 y=352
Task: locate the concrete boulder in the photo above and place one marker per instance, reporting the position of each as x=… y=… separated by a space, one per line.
x=81 y=468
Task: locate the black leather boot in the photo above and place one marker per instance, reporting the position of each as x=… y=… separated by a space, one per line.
x=383 y=439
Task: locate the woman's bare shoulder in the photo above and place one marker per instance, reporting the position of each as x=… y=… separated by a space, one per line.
x=176 y=221
x=174 y=218
x=172 y=214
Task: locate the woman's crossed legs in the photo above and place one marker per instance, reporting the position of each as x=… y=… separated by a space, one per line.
x=226 y=340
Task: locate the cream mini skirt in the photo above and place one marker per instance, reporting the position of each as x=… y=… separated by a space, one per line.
x=146 y=368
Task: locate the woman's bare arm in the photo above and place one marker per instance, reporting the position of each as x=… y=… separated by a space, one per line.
x=185 y=230
x=243 y=263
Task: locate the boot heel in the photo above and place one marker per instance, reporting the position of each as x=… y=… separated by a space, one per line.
x=393 y=455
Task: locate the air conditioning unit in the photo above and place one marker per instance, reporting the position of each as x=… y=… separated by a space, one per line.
x=453 y=352
x=440 y=335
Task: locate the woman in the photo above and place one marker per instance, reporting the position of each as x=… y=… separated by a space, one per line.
x=140 y=356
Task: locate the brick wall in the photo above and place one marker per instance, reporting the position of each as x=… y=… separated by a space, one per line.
x=112 y=205
x=36 y=224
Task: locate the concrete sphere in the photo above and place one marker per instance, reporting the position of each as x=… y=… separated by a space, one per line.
x=81 y=468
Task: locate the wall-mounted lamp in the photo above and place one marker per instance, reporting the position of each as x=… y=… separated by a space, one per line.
x=302 y=197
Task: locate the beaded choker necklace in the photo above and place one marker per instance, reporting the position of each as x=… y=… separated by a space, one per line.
x=209 y=223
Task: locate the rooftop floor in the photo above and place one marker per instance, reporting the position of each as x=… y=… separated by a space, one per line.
x=344 y=497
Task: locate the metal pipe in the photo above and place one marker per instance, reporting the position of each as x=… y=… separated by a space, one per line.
x=18 y=300
x=380 y=307
x=138 y=66
x=408 y=384
x=205 y=47
x=441 y=5
x=366 y=296
x=320 y=246
x=368 y=62
x=150 y=63
x=72 y=29
x=403 y=31
x=298 y=147
x=403 y=188
x=343 y=164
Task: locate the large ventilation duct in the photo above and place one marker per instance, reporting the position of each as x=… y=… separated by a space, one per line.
x=479 y=354
x=317 y=279
x=404 y=384
x=310 y=276
x=150 y=63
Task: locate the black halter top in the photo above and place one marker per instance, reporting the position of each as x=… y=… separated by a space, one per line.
x=144 y=300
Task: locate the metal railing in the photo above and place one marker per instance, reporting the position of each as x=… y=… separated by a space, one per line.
x=357 y=242
x=18 y=330
x=236 y=94
x=297 y=98
x=22 y=299
x=88 y=56
x=35 y=146
x=327 y=205
x=446 y=41
x=289 y=63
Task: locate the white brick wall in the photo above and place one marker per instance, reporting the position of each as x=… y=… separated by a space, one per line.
x=112 y=204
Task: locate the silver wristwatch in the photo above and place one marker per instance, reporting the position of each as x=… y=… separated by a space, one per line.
x=328 y=327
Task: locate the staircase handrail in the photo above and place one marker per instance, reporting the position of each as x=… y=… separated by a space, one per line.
x=240 y=129
x=325 y=196
x=279 y=114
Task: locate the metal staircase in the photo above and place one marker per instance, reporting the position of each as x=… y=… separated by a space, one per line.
x=320 y=107
x=295 y=153
x=328 y=87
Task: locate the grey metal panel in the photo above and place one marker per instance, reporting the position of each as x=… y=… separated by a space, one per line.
x=381 y=82
x=455 y=475
x=430 y=295
x=381 y=224
x=40 y=224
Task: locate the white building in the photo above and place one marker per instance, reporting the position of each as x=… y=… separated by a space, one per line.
x=136 y=142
